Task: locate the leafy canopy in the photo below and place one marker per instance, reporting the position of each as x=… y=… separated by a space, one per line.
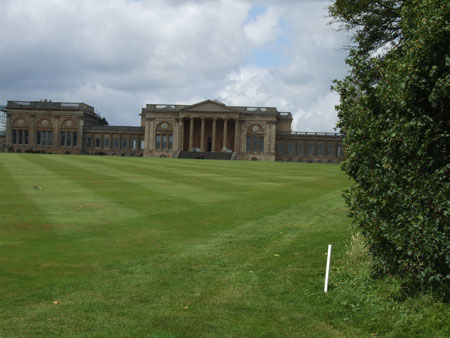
x=394 y=110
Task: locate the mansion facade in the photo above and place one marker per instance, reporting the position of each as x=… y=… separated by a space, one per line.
x=205 y=130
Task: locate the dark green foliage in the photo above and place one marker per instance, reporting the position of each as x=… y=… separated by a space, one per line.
x=394 y=110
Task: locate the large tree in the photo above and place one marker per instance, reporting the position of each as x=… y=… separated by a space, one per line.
x=395 y=112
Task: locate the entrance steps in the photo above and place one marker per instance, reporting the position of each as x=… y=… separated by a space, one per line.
x=203 y=155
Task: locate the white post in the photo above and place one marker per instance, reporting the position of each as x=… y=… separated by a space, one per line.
x=328 y=268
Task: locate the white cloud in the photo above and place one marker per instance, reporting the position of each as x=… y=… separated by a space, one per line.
x=118 y=55
x=264 y=28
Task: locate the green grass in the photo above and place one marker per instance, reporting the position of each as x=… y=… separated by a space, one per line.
x=130 y=247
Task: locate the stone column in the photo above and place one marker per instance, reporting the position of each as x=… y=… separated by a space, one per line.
x=151 y=134
x=32 y=133
x=80 y=136
x=146 y=134
x=191 y=134
x=9 y=131
x=213 y=145
x=225 y=129
x=202 y=135
x=181 y=134
x=236 y=135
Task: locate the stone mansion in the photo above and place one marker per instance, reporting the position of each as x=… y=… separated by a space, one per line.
x=205 y=130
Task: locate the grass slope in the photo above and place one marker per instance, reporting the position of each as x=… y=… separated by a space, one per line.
x=128 y=247
x=164 y=248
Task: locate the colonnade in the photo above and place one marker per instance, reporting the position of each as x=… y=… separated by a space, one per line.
x=213 y=133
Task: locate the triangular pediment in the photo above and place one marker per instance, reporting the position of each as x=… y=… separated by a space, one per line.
x=209 y=106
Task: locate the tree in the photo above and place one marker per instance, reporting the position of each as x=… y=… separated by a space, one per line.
x=394 y=110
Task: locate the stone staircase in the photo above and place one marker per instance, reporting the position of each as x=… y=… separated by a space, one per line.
x=203 y=155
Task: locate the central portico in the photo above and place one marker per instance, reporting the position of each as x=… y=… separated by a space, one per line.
x=211 y=126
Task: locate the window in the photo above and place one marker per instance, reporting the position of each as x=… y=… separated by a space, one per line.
x=255 y=139
x=70 y=138
x=116 y=143
x=106 y=142
x=158 y=140
x=290 y=148
x=88 y=141
x=62 y=138
x=124 y=142
x=320 y=149
x=43 y=137
x=164 y=137
x=20 y=136
x=133 y=144
x=310 y=149
x=164 y=141
x=281 y=148
x=142 y=144
x=97 y=142
x=330 y=149
x=170 y=141
x=340 y=151
x=300 y=148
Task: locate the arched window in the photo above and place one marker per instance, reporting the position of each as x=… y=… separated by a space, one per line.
x=255 y=139
x=68 y=134
x=20 y=132
x=164 y=137
x=44 y=132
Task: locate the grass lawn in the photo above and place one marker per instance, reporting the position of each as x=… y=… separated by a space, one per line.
x=130 y=247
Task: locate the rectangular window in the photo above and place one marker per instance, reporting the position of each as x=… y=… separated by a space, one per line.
x=164 y=141
x=249 y=144
x=320 y=149
x=25 y=137
x=97 y=142
x=291 y=149
x=330 y=149
x=339 y=150
x=62 y=138
x=20 y=136
x=75 y=139
x=106 y=143
x=44 y=138
x=281 y=148
x=261 y=144
x=300 y=148
x=38 y=137
x=69 y=139
x=255 y=144
x=310 y=149
x=14 y=136
x=50 y=138
x=158 y=141
x=133 y=144
x=116 y=142
x=124 y=142
x=170 y=141
x=142 y=144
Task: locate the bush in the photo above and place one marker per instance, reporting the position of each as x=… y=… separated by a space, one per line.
x=394 y=111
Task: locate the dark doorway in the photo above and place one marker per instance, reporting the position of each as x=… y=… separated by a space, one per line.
x=209 y=144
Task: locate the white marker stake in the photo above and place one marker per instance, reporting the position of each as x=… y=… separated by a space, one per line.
x=325 y=289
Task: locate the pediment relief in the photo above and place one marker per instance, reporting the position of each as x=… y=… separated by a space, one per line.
x=209 y=106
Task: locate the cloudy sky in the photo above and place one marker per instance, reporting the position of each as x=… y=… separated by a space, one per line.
x=118 y=55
